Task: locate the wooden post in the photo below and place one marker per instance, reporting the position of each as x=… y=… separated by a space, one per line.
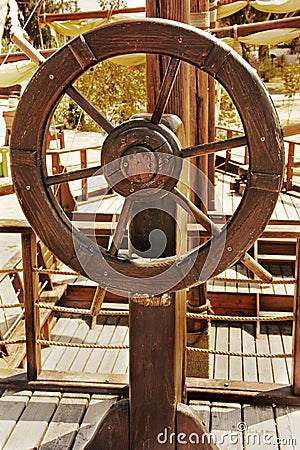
x=199 y=108
x=32 y=321
x=178 y=103
x=212 y=116
x=83 y=165
x=157 y=324
x=200 y=133
x=157 y=349
x=296 y=327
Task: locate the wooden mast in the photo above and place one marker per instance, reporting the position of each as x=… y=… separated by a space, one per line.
x=157 y=326
x=199 y=115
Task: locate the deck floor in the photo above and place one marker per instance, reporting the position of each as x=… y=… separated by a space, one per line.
x=53 y=420
x=66 y=421
x=273 y=338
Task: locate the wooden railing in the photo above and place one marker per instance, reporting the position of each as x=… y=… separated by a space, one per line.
x=33 y=320
x=230 y=132
x=58 y=167
x=292 y=164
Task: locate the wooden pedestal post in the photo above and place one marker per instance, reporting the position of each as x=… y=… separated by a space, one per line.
x=157 y=353
x=198 y=331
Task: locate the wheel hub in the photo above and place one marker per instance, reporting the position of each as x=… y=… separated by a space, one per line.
x=139 y=164
x=139 y=155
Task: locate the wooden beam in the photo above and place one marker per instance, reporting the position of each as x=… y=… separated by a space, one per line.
x=198 y=134
x=32 y=318
x=249 y=28
x=84 y=15
x=197 y=388
x=155 y=387
x=241 y=391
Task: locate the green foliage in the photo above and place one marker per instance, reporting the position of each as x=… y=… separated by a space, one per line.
x=228 y=115
x=39 y=37
x=116 y=91
x=112 y=4
x=267 y=70
x=291 y=80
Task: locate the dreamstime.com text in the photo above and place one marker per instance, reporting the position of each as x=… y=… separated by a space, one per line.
x=225 y=438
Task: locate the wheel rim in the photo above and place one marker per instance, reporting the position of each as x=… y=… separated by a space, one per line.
x=177 y=41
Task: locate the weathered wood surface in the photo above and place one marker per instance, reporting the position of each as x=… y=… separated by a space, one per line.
x=273 y=338
x=66 y=421
x=265 y=189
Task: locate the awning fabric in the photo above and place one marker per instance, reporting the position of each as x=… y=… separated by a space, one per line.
x=16 y=73
x=268 y=6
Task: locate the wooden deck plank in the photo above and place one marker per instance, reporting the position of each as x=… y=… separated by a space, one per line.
x=56 y=332
x=122 y=361
x=230 y=286
x=32 y=425
x=8 y=295
x=235 y=362
x=69 y=355
x=12 y=405
x=287 y=420
x=97 y=355
x=264 y=365
x=267 y=288
x=212 y=345
x=64 y=425
x=93 y=337
x=221 y=361
x=97 y=408
x=289 y=207
x=242 y=274
x=225 y=419
x=295 y=201
x=287 y=344
x=248 y=345
x=57 y=352
x=280 y=209
x=111 y=356
x=279 y=366
x=260 y=427
x=202 y=409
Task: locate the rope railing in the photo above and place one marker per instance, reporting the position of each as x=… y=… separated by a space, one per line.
x=288 y=280
x=65 y=309
x=48 y=343
x=254 y=281
x=217 y=318
x=208 y=317
x=240 y=354
x=82 y=345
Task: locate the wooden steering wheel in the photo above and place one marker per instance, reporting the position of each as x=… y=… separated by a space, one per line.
x=134 y=150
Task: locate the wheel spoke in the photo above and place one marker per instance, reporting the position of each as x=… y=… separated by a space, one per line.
x=256 y=268
x=113 y=250
x=200 y=217
x=65 y=177
x=213 y=147
x=121 y=227
x=165 y=90
x=89 y=109
x=210 y=226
